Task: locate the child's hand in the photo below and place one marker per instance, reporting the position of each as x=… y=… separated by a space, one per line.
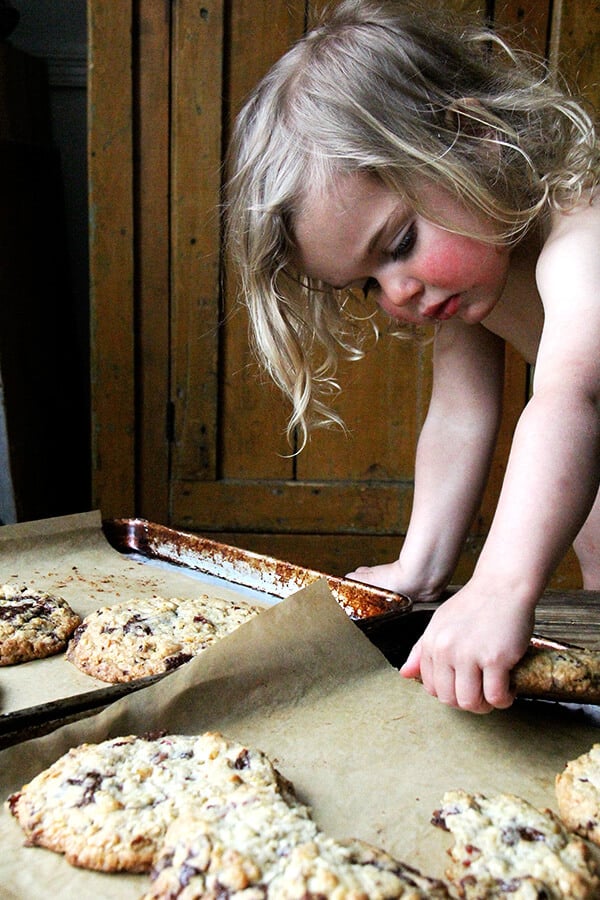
x=392 y=577
x=465 y=656
x=388 y=576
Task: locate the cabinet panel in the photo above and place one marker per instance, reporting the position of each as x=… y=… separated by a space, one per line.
x=196 y=140
x=152 y=152
x=111 y=186
x=575 y=45
x=253 y=420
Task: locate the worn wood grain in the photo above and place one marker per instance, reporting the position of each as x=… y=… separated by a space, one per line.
x=152 y=248
x=196 y=148
x=111 y=256
x=253 y=414
x=575 y=45
x=294 y=506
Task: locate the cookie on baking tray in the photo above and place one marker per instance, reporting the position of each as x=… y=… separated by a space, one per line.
x=578 y=794
x=107 y=806
x=558 y=674
x=130 y=640
x=215 y=818
x=506 y=848
x=33 y=625
x=350 y=870
x=258 y=845
x=230 y=846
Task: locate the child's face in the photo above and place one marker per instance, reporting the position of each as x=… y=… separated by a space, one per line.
x=361 y=232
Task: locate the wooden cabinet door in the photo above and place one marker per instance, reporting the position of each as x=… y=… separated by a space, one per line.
x=187 y=431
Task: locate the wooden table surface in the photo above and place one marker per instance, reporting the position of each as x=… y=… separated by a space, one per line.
x=569 y=617
x=572 y=617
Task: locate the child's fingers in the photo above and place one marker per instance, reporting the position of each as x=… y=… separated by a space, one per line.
x=443 y=685
x=470 y=692
x=482 y=691
x=496 y=687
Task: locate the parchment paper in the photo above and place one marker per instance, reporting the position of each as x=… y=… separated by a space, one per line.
x=371 y=752
x=71 y=557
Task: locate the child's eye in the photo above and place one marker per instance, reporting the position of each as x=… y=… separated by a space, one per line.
x=406 y=244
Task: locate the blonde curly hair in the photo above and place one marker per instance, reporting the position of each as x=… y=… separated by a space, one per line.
x=378 y=87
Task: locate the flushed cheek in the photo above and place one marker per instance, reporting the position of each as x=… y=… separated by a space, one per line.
x=458 y=263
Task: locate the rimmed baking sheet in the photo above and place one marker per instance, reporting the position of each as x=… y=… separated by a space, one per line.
x=253 y=571
x=93 y=564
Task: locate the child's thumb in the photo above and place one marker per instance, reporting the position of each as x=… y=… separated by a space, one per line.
x=412 y=666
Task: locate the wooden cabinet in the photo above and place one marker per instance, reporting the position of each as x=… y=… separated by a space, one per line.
x=186 y=431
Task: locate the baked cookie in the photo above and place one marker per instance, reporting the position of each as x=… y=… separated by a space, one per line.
x=568 y=675
x=258 y=844
x=578 y=794
x=350 y=870
x=107 y=806
x=32 y=625
x=506 y=848
x=130 y=640
x=230 y=847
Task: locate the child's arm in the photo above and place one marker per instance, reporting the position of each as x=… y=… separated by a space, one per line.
x=465 y=656
x=452 y=463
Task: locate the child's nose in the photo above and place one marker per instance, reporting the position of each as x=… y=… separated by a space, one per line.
x=400 y=292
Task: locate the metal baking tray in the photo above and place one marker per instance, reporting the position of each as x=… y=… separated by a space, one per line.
x=253 y=576
x=369 y=606
x=390 y=620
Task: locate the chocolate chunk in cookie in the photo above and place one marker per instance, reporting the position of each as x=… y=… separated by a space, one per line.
x=150 y=636
x=107 y=806
x=33 y=625
x=506 y=848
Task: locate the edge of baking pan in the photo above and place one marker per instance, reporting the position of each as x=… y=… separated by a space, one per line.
x=20 y=725
x=368 y=606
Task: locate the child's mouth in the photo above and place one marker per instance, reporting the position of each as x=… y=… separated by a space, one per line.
x=444 y=310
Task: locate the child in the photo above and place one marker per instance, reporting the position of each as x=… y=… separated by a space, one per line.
x=451 y=182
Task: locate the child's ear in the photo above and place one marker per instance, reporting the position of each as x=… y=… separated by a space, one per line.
x=467 y=116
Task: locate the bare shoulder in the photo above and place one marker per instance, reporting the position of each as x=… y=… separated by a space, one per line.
x=570 y=254
x=568 y=279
